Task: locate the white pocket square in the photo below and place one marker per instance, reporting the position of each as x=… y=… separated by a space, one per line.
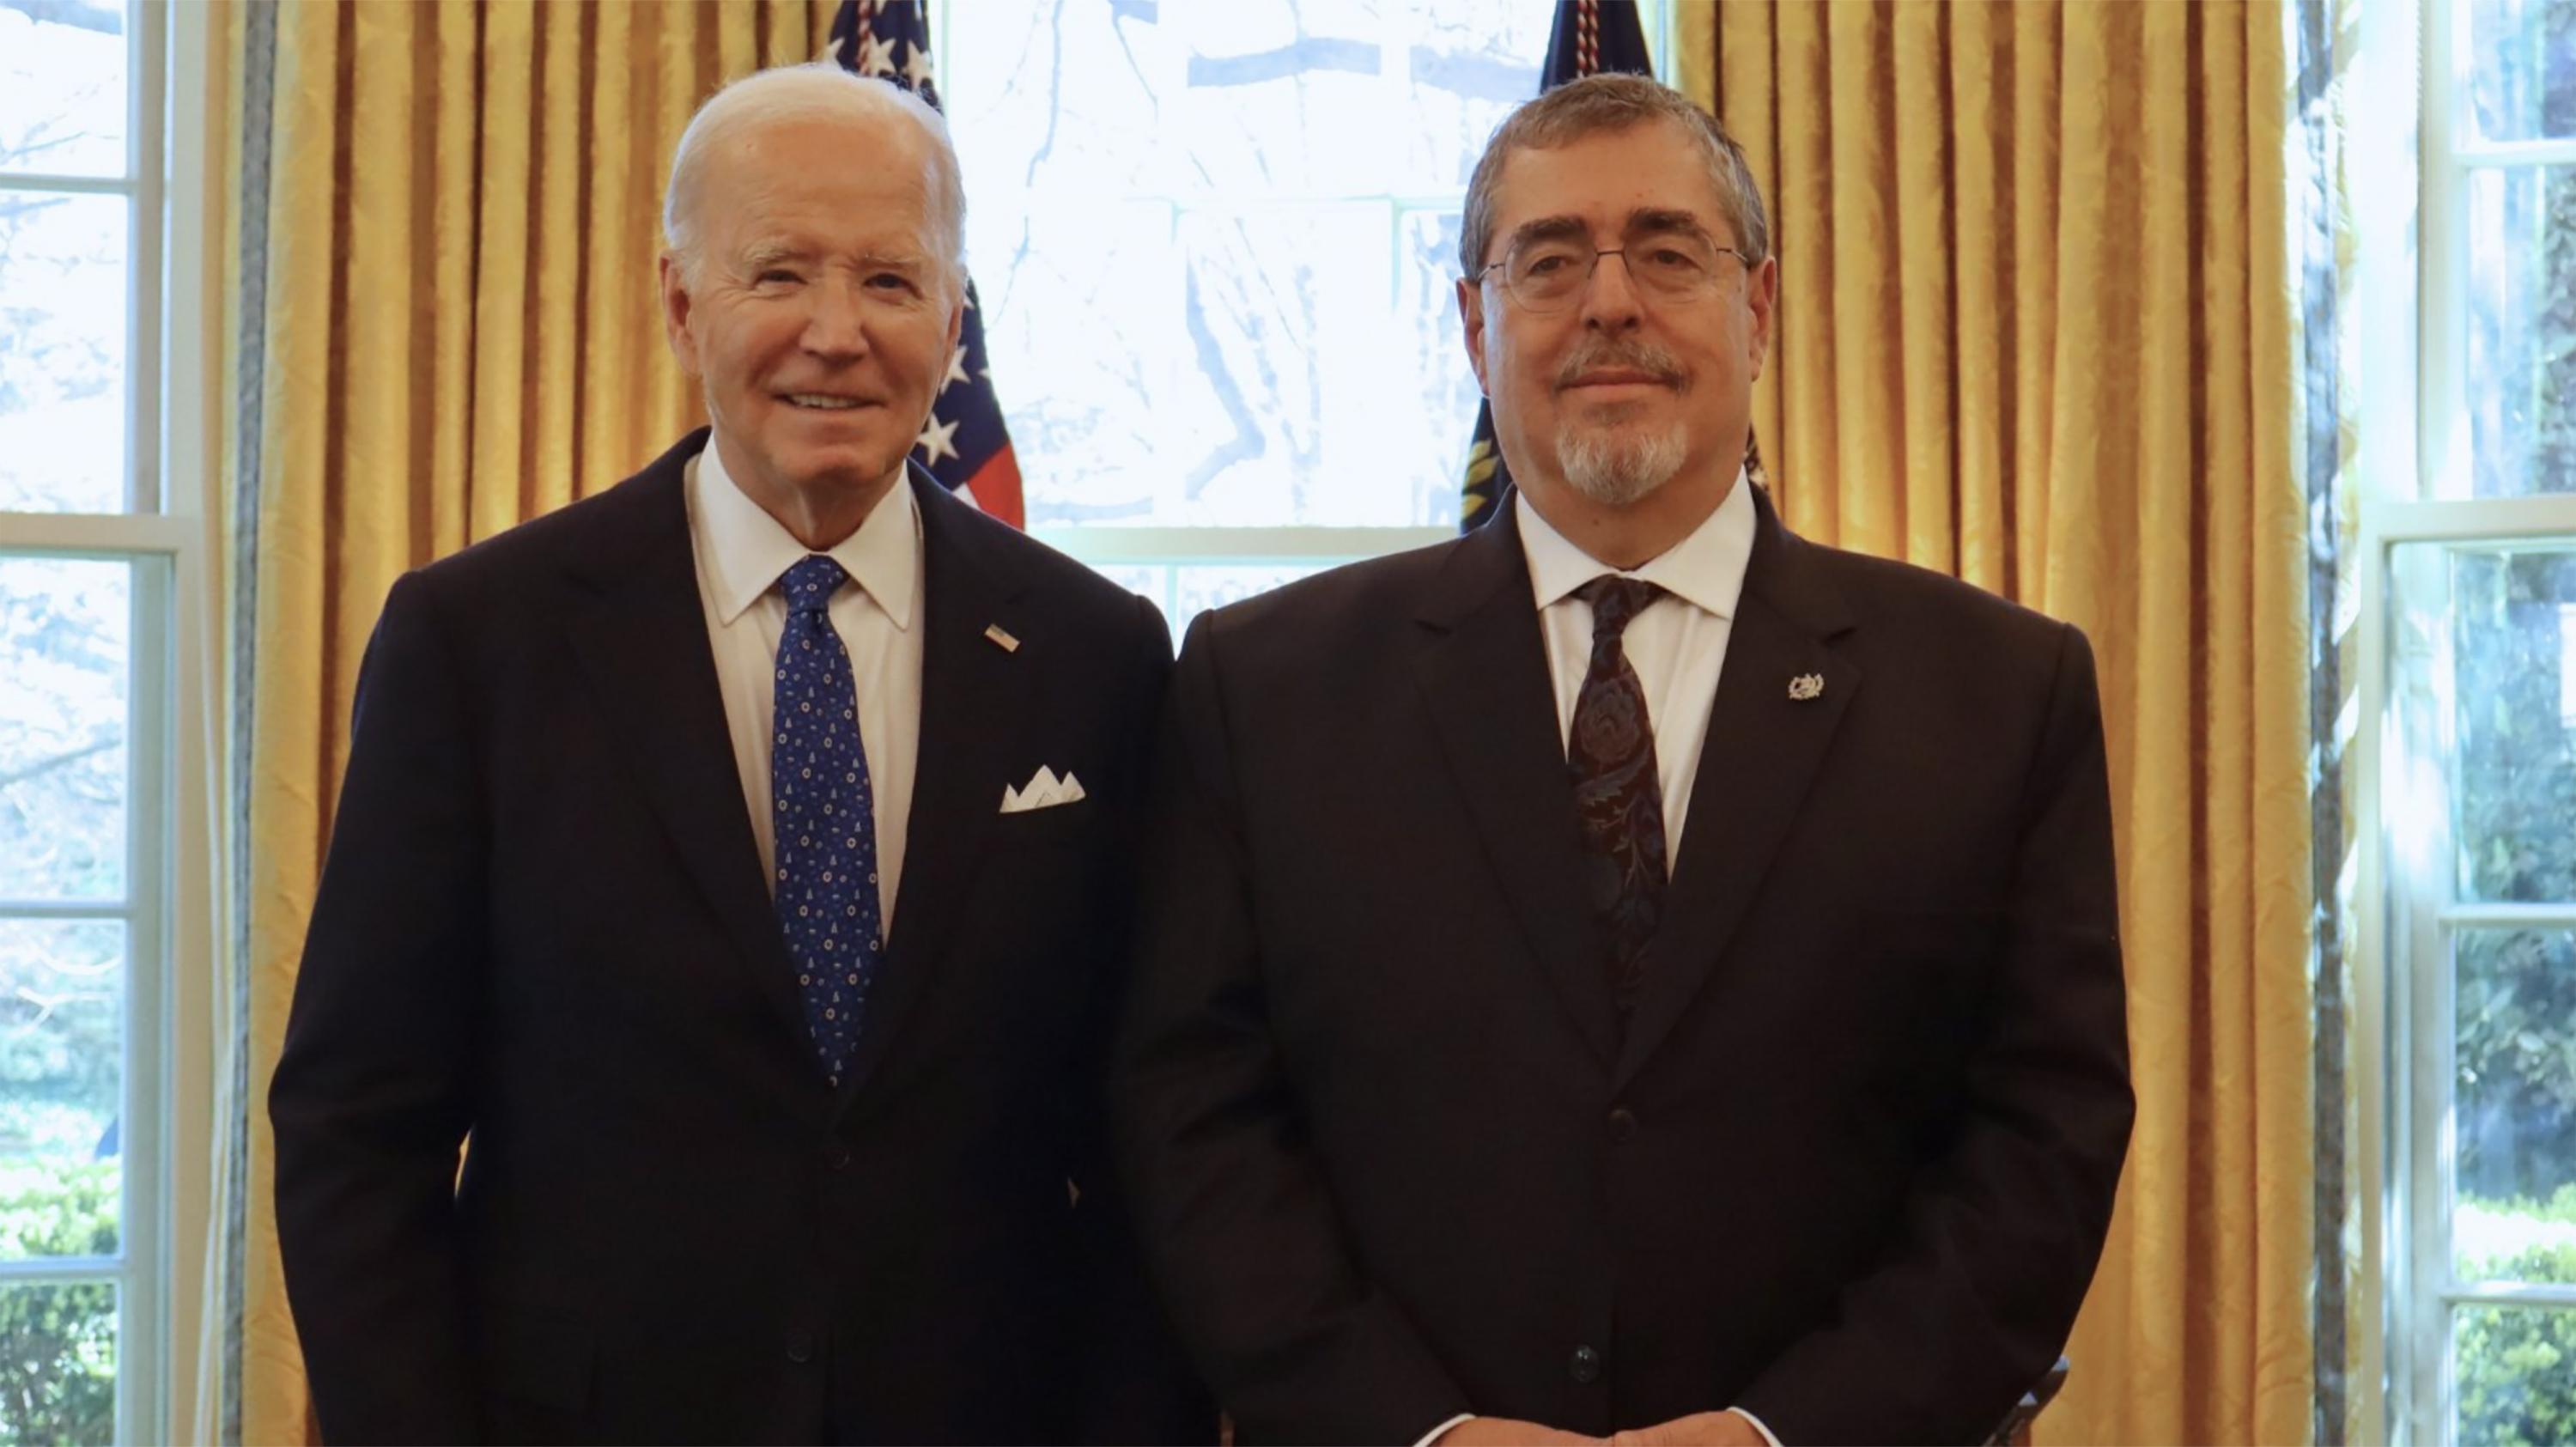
x=1043 y=791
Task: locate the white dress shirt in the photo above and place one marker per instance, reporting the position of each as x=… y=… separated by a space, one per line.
x=1676 y=644
x=741 y=553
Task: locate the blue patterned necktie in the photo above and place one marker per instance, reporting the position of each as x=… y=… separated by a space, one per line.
x=825 y=817
x=1618 y=798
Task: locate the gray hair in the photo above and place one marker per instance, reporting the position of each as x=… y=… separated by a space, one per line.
x=810 y=90
x=1612 y=102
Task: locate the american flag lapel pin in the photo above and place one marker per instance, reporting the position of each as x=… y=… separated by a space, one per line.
x=1001 y=638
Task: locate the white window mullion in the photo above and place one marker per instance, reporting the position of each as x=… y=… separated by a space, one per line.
x=65 y=185
x=65 y=1271
x=147 y=84
x=62 y=909
x=2555 y=152
x=2442 y=441
x=2421 y=815
x=2510 y=916
x=142 y=1325
x=2501 y=1293
x=1189 y=547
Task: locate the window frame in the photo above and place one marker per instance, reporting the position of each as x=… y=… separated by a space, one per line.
x=2414 y=477
x=2404 y=947
x=166 y=535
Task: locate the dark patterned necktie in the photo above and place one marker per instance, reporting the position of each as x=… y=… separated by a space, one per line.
x=1618 y=799
x=825 y=816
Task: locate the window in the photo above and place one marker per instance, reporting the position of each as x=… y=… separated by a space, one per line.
x=94 y=560
x=2469 y=799
x=1214 y=244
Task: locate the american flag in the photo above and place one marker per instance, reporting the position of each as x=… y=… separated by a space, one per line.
x=964 y=444
x=1588 y=38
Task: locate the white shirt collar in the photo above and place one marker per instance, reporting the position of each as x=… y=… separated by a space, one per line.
x=1705 y=569
x=746 y=549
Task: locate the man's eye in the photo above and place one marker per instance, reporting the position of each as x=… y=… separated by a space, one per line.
x=778 y=276
x=1672 y=260
x=1543 y=265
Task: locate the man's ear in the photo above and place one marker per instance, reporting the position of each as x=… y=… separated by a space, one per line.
x=1761 y=296
x=678 y=311
x=1471 y=318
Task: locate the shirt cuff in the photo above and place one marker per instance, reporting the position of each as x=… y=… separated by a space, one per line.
x=1757 y=1422
x=1436 y=1433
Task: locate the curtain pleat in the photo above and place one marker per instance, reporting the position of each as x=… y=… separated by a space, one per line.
x=2036 y=330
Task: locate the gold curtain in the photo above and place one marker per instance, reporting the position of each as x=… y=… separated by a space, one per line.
x=461 y=332
x=205 y=261
x=2036 y=329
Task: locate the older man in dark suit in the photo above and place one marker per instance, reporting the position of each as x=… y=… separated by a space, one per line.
x=742 y=860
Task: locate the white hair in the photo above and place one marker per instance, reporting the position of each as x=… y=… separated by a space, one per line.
x=1616 y=471
x=815 y=89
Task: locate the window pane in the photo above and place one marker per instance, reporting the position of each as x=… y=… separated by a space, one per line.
x=62 y=352
x=1185 y=590
x=1247 y=214
x=1434 y=380
x=62 y=1050
x=64 y=648
x=1083 y=419
x=1469 y=64
x=2514 y=1370
x=2522 y=329
x=58 y=1351
x=2515 y=1106
x=1201 y=587
x=2514 y=789
x=2524 y=85
x=1284 y=313
x=62 y=87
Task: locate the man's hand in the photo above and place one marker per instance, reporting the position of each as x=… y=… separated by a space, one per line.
x=1505 y=1432
x=1700 y=1429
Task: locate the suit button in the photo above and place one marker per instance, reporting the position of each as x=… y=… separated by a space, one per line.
x=800 y=1346
x=1586 y=1366
x=837 y=1156
x=1623 y=1126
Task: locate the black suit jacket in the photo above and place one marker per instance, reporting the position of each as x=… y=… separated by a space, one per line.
x=1850 y=1164
x=543 y=924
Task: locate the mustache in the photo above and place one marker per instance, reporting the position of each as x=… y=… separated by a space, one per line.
x=1628 y=355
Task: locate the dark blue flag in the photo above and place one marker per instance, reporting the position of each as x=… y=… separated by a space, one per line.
x=1589 y=37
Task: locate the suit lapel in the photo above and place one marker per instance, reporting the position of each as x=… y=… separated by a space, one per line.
x=972 y=706
x=1483 y=670
x=1763 y=750
x=639 y=632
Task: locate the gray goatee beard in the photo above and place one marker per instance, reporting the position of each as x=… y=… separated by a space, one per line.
x=1615 y=467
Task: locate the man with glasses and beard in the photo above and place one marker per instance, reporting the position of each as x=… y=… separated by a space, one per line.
x=1630 y=970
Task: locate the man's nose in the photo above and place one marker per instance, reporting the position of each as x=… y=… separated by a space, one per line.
x=1610 y=296
x=837 y=325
